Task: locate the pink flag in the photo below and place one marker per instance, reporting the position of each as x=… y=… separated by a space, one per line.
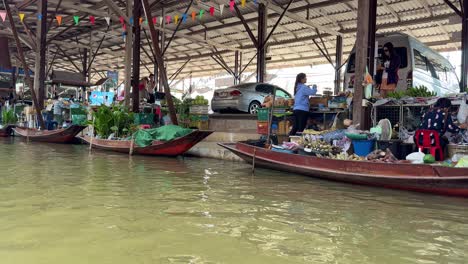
x=168 y=19
x=92 y=19
x=3 y=15
x=155 y=19
x=231 y=5
x=212 y=11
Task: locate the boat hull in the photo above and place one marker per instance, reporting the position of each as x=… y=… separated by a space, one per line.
x=65 y=135
x=420 y=178
x=171 y=148
x=6 y=131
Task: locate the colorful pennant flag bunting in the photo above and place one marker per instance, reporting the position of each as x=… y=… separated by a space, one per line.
x=76 y=19
x=168 y=19
x=221 y=9
x=39 y=17
x=184 y=18
x=176 y=19
x=161 y=21
x=131 y=21
x=21 y=16
x=108 y=20
x=201 y=13
x=243 y=3
x=3 y=15
x=155 y=19
x=92 y=19
x=59 y=20
x=212 y=11
x=193 y=15
x=231 y=5
x=141 y=21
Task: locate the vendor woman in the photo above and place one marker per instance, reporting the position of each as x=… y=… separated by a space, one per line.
x=301 y=103
x=439 y=119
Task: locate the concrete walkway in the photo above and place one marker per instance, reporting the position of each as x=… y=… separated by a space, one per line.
x=209 y=148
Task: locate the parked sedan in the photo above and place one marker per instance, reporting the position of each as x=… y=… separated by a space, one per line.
x=246 y=97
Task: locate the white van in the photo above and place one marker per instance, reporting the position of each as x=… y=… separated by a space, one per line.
x=420 y=65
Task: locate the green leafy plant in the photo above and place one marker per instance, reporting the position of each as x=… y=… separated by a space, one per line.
x=117 y=119
x=419 y=91
x=9 y=117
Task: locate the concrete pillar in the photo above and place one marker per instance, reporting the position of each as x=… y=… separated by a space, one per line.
x=362 y=48
x=136 y=55
x=262 y=29
x=464 y=72
x=40 y=65
x=338 y=62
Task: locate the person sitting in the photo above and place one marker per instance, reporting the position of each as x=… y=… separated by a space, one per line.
x=439 y=119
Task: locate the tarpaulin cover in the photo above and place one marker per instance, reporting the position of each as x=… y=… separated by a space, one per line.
x=145 y=137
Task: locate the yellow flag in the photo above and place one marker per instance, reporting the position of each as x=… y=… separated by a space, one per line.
x=176 y=18
x=243 y=3
x=21 y=16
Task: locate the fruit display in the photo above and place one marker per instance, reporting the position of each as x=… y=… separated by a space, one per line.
x=382 y=156
x=419 y=91
x=199 y=100
x=346 y=156
x=321 y=147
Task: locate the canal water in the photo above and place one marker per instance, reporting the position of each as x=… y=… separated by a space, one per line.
x=63 y=204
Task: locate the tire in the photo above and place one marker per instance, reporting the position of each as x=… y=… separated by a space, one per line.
x=253 y=106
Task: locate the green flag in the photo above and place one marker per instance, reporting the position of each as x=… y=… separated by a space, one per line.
x=76 y=19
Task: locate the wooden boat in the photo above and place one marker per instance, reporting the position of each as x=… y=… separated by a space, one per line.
x=6 y=131
x=174 y=147
x=64 y=135
x=411 y=177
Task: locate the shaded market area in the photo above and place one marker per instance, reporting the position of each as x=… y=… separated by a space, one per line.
x=104 y=84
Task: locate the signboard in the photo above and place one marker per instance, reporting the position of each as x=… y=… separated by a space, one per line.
x=99 y=98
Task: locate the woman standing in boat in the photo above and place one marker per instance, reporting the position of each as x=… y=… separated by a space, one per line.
x=301 y=103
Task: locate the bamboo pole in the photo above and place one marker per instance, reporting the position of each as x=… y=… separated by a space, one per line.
x=25 y=66
x=270 y=117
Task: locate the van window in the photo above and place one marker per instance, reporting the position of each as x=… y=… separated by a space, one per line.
x=420 y=62
x=401 y=51
x=429 y=65
x=264 y=88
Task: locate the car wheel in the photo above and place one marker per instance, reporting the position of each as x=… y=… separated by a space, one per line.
x=253 y=107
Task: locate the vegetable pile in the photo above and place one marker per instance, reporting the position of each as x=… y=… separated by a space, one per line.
x=419 y=91
x=382 y=156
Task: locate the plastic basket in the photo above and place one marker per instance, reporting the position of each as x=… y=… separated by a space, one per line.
x=262 y=114
x=362 y=148
x=144 y=119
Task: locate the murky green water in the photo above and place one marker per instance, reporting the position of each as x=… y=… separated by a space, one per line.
x=61 y=204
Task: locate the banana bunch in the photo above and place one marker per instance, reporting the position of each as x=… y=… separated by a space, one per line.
x=345 y=156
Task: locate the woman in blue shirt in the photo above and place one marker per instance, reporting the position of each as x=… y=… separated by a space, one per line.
x=301 y=103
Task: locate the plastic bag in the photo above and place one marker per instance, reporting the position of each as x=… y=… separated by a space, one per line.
x=462 y=115
x=416 y=157
x=462 y=163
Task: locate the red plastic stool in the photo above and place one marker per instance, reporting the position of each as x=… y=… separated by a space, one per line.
x=145 y=126
x=427 y=142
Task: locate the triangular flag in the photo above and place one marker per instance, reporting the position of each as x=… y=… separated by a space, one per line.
x=243 y=3
x=141 y=21
x=221 y=9
x=122 y=20
x=184 y=17
x=161 y=21
x=176 y=19
x=131 y=21
x=108 y=20
x=21 y=16
x=155 y=19
x=201 y=13
x=124 y=35
x=39 y=17
x=3 y=15
x=193 y=15
x=168 y=19
x=124 y=26
x=92 y=19
x=59 y=20
x=146 y=21
x=212 y=11
x=76 y=19
x=231 y=5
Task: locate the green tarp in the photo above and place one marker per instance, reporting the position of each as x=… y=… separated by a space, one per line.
x=145 y=137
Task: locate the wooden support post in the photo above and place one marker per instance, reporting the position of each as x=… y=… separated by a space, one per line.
x=372 y=22
x=23 y=62
x=128 y=57
x=136 y=56
x=362 y=47
x=338 y=61
x=162 y=41
x=261 y=49
x=40 y=63
x=236 y=68
x=159 y=59
x=464 y=73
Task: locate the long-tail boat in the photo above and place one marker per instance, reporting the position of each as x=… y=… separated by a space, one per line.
x=412 y=177
x=64 y=135
x=6 y=131
x=172 y=148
